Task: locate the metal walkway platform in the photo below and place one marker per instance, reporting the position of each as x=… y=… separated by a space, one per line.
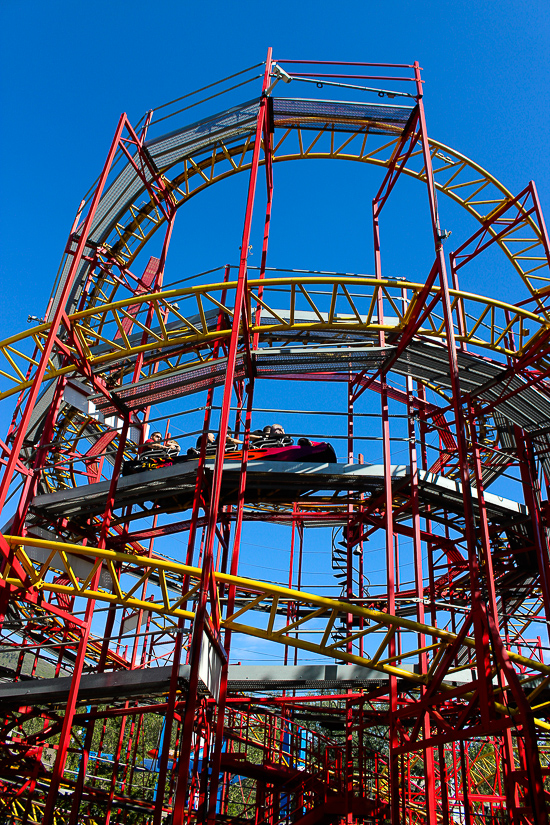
x=172 y=488
x=121 y=685
x=227 y=127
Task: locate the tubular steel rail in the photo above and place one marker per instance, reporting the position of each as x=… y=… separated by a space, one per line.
x=316 y=614
x=332 y=305
x=452 y=719
x=514 y=223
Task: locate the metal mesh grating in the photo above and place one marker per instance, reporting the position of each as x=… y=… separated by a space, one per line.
x=528 y=408
x=186 y=382
x=292 y=361
x=225 y=126
x=169 y=149
x=165 y=152
x=380 y=118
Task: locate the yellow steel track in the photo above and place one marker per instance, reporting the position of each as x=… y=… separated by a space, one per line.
x=334 y=303
x=317 y=614
x=467 y=183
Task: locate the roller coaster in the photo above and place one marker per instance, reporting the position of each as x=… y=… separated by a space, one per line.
x=414 y=693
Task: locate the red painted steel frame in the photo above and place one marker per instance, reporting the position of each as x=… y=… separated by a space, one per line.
x=429 y=756
x=484 y=625
x=239 y=314
x=37 y=381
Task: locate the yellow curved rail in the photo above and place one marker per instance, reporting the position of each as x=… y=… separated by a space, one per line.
x=463 y=180
x=336 y=303
x=124 y=574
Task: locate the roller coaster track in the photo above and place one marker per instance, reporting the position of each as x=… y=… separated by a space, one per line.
x=122 y=343
x=332 y=305
x=316 y=614
x=195 y=158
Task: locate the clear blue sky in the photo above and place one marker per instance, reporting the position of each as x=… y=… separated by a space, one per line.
x=67 y=71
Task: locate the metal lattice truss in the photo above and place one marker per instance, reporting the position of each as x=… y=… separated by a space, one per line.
x=196 y=157
x=286 y=309
x=261 y=613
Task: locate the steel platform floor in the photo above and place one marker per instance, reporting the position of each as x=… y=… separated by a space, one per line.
x=121 y=685
x=172 y=488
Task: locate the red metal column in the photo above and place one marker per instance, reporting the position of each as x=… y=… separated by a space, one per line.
x=207 y=572
x=178 y=646
x=64 y=740
x=531 y=492
x=478 y=610
x=216 y=758
x=349 y=526
x=429 y=765
x=268 y=155
x=48 y=346
x=390 y=566
x=484 y=628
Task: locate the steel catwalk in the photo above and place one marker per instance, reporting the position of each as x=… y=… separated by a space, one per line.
x=414 y=693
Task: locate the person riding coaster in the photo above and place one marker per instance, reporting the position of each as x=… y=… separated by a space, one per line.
x=269 y=444
x=212 y=441
x=153 y=453
x=271 y=436
x=152 y=445
x=172 y=448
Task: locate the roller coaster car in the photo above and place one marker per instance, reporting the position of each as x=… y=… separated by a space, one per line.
x=318 y=452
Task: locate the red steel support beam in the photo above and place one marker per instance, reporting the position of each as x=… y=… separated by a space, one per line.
x=207 y=570
x=390 y=563
x=429 y=764
x=484 y=627
x=194 y=523
x=48 y=346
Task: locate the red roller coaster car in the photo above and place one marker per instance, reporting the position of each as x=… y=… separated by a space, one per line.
x=319 y=452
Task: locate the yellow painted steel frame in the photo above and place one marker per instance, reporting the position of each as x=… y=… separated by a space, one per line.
x=317 y=614
x=464 y=181
x=490 y=328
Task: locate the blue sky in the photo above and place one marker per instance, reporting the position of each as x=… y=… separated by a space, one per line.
x=67 y=71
